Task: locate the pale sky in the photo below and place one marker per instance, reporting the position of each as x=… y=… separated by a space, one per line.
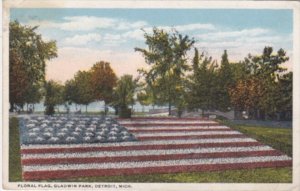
x=85 y=36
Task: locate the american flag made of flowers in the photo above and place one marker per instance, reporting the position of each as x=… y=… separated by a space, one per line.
x=61 y=147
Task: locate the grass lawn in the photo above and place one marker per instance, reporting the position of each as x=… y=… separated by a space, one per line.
x=279 y=138
x=264 y=175
x=15 y=171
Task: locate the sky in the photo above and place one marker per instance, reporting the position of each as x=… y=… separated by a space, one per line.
x=85 y=36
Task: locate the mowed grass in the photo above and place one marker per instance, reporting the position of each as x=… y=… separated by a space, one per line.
x=278 y=138
x=263 y=175
x=15 y=170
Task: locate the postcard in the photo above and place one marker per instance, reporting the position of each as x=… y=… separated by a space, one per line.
x=151 y=95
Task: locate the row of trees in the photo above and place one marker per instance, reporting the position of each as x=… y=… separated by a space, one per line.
x=258 y=84
x=93 y=85
x=27 y=85
x=100 y=83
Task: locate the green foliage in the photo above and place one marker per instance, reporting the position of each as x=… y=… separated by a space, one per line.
x=15 y=170
x=71 y=91
x=224 y=81
x=124 y=94
x=261 y=86
x=79 y=90
x=28 y=54
x=284 y=96
x=202 y=83
x=144 y=97
x=167 y=56
x=54 y=96
x=103 y=80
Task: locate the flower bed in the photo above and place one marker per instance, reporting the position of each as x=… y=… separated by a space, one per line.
x=72 y=129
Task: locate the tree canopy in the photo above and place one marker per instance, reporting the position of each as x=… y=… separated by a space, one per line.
x=103 y=81
x=125 y=91
x=54 y=96
x=258 y=91
x=28 y=54
x=79 y=90
x=202 y=83
x=166 y=53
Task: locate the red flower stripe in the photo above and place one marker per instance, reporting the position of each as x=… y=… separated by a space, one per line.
x=77 y=160
x=38 y=175
x=148 y=138
x=162 y=119
x=167 y=124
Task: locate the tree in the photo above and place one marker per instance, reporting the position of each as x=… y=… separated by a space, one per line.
x=166 y=53
x=54 y=96
x=202 y=83
x=27 y=63
x=125 y=91
x=103 y=80
x=246 y=94
x=71 y=91
x=261 y=82
x=224 y=81
x=34 y=94
x=84 y=90
x=144 y=97
x=284 y=96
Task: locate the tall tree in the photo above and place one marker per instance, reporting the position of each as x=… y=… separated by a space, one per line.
x=71 y=92
x=27 y=62
x=265 y=70
x=246 y=94
x=225 y=81
x=202 y=83
x=83 y=88
x=103 y=80
x=166 y=53
x=284 y=96
x=125 y=92
x=54 y=96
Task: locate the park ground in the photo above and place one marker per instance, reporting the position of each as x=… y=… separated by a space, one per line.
x=277 y=137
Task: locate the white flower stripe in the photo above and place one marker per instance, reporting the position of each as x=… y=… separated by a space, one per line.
x=154 y=142
x=155 y=127
x=145 y=152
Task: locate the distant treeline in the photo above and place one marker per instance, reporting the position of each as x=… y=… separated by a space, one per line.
x=258 y=85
